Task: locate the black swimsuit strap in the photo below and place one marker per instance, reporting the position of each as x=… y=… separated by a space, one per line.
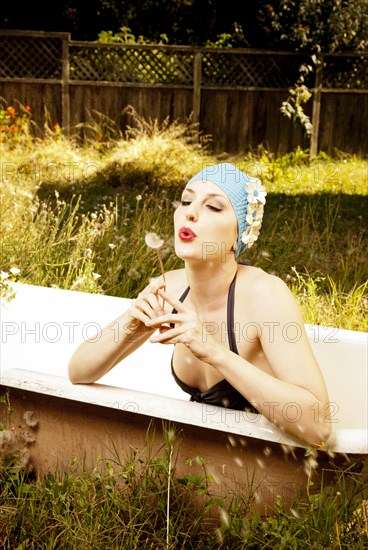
x=230 y=318
x=182 y=298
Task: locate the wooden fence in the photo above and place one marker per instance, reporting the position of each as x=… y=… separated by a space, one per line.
x=235 y=95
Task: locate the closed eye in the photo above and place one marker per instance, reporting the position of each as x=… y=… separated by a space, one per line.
x=210 y=206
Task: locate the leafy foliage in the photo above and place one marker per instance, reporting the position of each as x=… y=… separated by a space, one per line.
x=321 y=25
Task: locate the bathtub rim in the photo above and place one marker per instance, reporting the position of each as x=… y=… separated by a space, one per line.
x=352 y=441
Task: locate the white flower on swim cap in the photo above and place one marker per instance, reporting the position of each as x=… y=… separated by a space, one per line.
x=251 y=234
x=256 y=198
x=256 y=193
x=254 y=213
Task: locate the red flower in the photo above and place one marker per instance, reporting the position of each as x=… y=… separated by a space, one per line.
x=10 y=110
x=27 y=108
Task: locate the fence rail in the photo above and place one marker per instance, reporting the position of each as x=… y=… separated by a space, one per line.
x=235 y=95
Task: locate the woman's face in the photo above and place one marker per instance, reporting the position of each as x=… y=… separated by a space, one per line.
x=205 y=224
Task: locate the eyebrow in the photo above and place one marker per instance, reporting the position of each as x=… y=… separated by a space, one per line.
x=208 y=195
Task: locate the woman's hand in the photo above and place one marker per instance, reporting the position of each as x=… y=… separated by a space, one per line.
x=145 y=307
x=188 y=329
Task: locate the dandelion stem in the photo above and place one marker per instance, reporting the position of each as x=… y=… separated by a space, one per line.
x=162 y=271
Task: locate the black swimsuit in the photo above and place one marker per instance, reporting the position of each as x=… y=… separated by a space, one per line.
x=221 y=394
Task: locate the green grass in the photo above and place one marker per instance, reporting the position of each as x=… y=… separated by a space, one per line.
x=74 y=215
x=140 y=501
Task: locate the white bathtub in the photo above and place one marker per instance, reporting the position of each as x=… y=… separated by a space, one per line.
x=41 y=328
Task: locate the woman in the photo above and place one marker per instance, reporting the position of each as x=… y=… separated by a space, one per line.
x=239 y=335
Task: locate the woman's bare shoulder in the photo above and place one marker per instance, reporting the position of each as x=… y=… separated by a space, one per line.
x=267 y=295
x=257 y=283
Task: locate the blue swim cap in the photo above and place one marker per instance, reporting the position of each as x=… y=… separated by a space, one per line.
x=247 y=197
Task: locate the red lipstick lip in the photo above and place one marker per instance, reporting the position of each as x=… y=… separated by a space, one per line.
x=186 y=234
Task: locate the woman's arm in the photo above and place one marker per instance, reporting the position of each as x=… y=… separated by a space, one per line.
x=299 y=400
x=95 y=357
x=295 y=397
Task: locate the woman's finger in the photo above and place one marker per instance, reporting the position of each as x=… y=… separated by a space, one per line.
x=177 y=304
x=170 y=336
x=154 y=286
x=138 y=314
x=154 y=304
x=174 y=318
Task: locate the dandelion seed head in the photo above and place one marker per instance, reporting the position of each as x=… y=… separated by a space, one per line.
x=153 y=241
x=30 y=419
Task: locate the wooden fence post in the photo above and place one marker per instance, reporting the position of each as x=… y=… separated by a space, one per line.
x=316 y=109
x=65 y=97
x=197 y=78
